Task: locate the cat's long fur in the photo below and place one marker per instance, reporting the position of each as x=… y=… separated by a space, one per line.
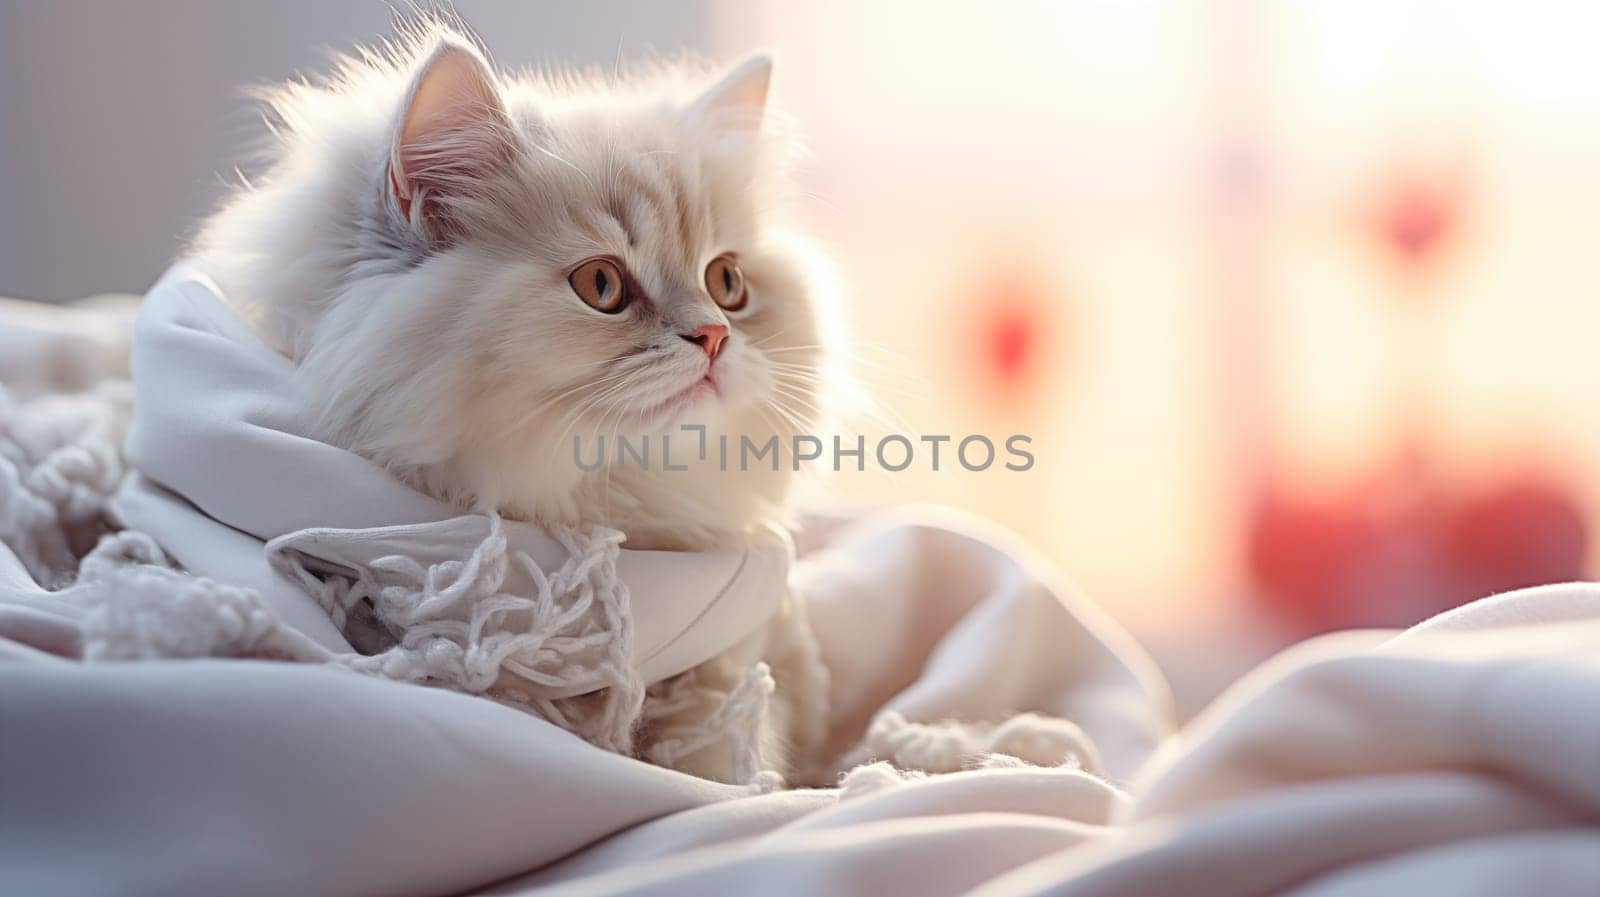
x=468 y=369
x=421 y=285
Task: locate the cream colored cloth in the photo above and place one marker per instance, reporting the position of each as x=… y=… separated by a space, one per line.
x=1458 y=758
x=251 y=777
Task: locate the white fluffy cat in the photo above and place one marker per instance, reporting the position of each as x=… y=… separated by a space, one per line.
x=472 y=269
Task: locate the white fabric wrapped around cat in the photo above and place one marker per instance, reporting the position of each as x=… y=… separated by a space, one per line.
x=468 y=277
x=347 y=557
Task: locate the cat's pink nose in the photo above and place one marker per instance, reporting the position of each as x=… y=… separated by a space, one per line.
x=709 y=337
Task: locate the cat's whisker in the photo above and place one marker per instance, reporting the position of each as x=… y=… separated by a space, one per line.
x=798 y=378
x=785 y=395
x=797 y=381
x=589 y=403
x=610 y=386
x=797 y=405
x=822 y=200
x=810 y=348
x=767 y=339
x=599 y=401
x=794 y=390
x=854 y=356
x=789 y=417
x=782 y=400
x=586 y=384
x=850 y=362
x=805 y=369
x=585 y=175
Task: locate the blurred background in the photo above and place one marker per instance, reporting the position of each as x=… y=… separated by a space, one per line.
x=1297 y=300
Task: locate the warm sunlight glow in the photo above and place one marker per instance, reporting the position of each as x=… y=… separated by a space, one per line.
x=1405 y=192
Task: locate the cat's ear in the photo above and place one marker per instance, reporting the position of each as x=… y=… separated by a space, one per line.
x=739 y=99
x=453 y=133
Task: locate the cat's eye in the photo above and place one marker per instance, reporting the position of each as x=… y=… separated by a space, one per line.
x=725 y=283
x=599 y=283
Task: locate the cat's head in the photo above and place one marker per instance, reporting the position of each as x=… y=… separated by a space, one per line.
x=473 y=269
x=610 y=240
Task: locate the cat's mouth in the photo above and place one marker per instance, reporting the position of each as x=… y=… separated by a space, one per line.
x=668 y=410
